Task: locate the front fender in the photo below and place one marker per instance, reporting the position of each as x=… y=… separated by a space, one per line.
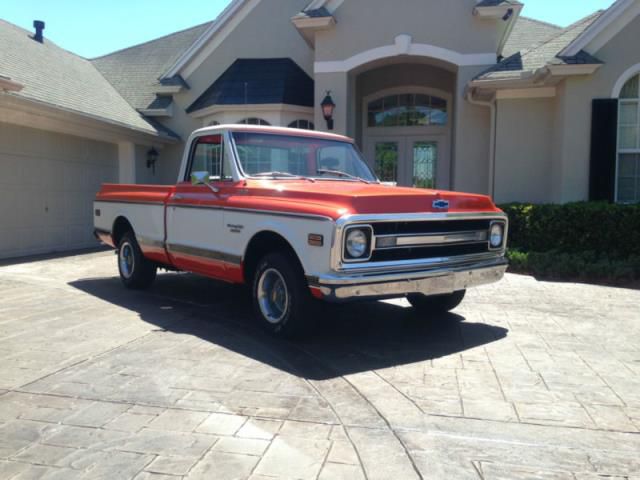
x=243 y=227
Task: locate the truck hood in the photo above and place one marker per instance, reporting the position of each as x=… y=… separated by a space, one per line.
x=359 y=198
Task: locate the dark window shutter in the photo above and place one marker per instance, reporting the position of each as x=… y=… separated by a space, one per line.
x=604 y=149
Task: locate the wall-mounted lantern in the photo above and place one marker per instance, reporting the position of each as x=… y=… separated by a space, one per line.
x=328 y=106
x=152 y=158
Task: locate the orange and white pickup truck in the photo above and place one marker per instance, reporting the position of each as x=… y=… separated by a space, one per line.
x=300 y=217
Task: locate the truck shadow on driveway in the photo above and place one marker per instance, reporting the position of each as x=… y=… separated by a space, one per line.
x=350 y=338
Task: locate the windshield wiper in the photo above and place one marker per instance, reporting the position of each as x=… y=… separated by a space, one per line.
x=340 y=173
x=275 y=175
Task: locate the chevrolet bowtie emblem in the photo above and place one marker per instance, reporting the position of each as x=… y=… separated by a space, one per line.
x=441 y=204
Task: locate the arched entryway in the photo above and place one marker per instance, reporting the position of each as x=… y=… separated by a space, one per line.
x=406 y=135
x=404 y=119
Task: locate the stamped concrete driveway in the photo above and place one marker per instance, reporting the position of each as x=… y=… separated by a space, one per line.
x=526 y=380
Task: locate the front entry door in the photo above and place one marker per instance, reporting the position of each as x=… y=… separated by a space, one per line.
x=409 y=161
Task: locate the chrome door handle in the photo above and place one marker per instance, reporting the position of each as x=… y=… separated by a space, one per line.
x=178 y=197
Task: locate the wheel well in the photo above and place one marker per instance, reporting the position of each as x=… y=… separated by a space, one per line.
x=120 y=227
x=259 y=246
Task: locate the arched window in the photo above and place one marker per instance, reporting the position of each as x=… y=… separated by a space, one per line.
x=407 y=110
x=303 y=125
x=628 y=181
x=254 y=121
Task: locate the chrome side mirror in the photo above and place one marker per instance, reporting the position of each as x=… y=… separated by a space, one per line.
x=203 y=178
x=200 y=178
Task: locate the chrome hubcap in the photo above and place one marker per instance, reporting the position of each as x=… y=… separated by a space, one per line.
x=125 y=257
x=273 y=297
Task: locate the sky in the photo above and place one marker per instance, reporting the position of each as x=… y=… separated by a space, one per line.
x=91 y=28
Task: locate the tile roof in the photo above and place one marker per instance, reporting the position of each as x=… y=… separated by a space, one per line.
x=135 y=71
x=54 y=76
x=527 y=33
x=259 y=81
x=544 y=53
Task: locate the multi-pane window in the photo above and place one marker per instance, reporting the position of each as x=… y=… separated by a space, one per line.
x=303 y=125
x=254 y=121
x=407 y=110
x=629 y=142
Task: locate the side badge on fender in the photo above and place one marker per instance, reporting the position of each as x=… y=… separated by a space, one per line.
x=440 y=204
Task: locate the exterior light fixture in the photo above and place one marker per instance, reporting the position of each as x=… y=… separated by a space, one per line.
x=152 y=158
x=328 y=106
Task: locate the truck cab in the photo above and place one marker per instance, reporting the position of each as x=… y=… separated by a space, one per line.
x=300 y=217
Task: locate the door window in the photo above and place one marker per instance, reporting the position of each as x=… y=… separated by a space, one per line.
x=209 y=155
x=386 y=161
x=425 y=156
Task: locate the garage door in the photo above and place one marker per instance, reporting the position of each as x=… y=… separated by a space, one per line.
x=47 y=184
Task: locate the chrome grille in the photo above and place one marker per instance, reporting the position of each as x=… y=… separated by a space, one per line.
x=431 y=226
x=399 y=241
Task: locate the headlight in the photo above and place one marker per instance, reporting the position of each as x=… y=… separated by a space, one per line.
x=496 y=235
x=357 y=243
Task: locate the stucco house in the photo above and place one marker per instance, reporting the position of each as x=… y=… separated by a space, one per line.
x=456 y=94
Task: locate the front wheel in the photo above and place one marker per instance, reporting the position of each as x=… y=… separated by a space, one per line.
x=136 y=272
x=281 y=298
x=436 y=304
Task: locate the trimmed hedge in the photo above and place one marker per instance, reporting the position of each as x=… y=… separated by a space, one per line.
x=577 y=241
x=603 y=228
x=577 y=266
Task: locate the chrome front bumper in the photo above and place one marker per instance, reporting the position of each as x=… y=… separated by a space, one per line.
x=437 y=281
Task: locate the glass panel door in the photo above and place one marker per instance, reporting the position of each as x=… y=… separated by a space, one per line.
x=386 y=157
x=425 y=157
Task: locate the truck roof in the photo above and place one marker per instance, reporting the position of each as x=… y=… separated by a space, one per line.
x=273 y=130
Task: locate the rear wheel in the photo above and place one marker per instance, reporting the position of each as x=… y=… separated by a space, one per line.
x=281 y=297
x=136 y=272
x=436 y=304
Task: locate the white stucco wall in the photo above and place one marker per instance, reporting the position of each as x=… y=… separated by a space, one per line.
x=366 y=24
x=471 y=134
x=524 y=150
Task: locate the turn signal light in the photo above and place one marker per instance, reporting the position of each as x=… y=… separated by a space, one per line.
x=316 y=240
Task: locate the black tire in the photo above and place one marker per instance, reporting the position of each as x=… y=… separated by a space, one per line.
x=291 y=302
x=436 y=304
x=136 y=272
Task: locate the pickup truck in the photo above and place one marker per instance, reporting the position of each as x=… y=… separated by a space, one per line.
x=300 y=217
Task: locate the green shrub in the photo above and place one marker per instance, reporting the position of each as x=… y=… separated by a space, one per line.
x=602 y=228
x=577 y=241
x=586 y=266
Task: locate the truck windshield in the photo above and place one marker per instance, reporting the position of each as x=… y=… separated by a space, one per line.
x=266 y=155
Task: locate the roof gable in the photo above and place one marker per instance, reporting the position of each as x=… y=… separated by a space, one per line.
x=610 y=23
x=259 y=81
x=219 y=27
x=545 y=53
x=135 y=71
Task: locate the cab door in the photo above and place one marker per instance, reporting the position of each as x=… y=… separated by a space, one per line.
x=195 y=215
